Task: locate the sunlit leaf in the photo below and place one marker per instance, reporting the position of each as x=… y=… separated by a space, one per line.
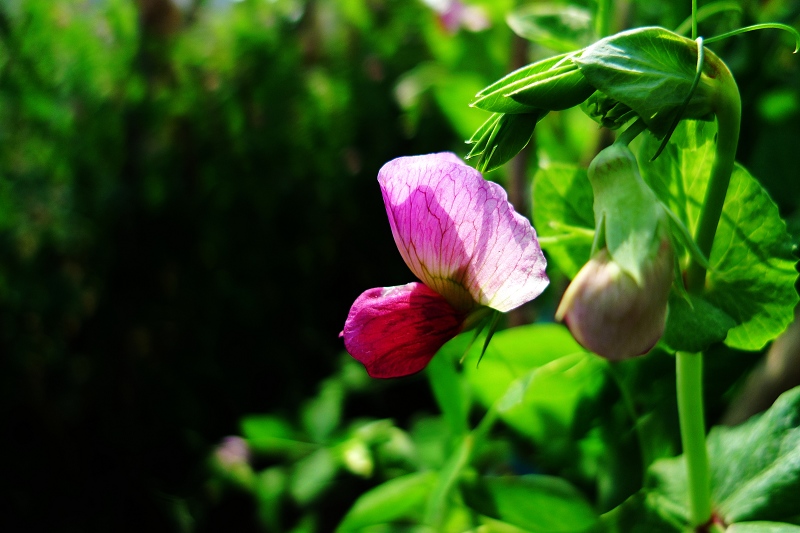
x=563 y=215
x=752 y=272
x=537 y=376
x=538 y=504
x=400 y=498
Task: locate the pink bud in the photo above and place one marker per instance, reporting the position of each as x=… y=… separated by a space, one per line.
x=610 y=314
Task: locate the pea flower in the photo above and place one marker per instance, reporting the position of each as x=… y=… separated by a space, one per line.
x=611 y=314
x=617 y=304
x=459 y=235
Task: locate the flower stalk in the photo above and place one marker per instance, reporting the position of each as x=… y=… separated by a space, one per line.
x=689 y=368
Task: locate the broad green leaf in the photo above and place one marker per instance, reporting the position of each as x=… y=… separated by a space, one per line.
x=650 y=70
x=563 y=215
x=755 y=471
x=693 y=325
x=561 y=27
x=752 y=272
x=540 y=375
x=400 y=498
x=755 y=467
x=763 y=527
x=538 y=504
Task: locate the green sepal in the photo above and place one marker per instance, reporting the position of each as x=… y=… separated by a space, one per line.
x=606 y=111
x=561 y=91
x=627 y=213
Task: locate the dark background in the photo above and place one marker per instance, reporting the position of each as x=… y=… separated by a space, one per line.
x=188 y=208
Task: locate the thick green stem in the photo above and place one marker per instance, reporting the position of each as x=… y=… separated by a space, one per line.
x=693 y=434
x=728 y=109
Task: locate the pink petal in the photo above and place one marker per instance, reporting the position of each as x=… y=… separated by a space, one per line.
x=395 y=331
x=459 y=235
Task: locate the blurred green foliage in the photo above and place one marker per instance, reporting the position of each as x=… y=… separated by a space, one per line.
x=188 y=207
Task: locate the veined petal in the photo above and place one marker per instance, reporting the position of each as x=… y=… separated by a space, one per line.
x=459 y=235
x=395 y=331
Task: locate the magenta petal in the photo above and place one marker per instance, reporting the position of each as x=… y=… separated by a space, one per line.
x=395 y=331
x=459 y=235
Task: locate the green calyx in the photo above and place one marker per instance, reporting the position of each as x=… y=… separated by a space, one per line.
x=630 y=221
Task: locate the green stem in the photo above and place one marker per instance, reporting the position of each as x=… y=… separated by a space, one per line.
x=693 y=434
x=602 y=19
x=627 y=136
x=694 y=19
x=728 y=110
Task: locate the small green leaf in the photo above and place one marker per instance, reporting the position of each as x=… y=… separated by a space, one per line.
x=694 y=325
x=752 y=266
x=322 y=414
x=560 y=27
x=563 y=216
x=312 y=475
x=400 y=498
x=538 y=504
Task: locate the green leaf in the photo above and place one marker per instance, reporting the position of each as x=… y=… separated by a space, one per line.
x=537 y=375
x=322 y=415
x=397 y=499
x=763 y=527
x=449 y=391
x=755 y=467
x=560 y=27
x=563 y=215
x=651 y=70
x=752 y=266
x=535 y=503
x=755 y=472
x=312 y=475
x=693 y=325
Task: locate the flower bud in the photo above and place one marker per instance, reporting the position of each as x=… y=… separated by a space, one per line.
x=613 y=316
